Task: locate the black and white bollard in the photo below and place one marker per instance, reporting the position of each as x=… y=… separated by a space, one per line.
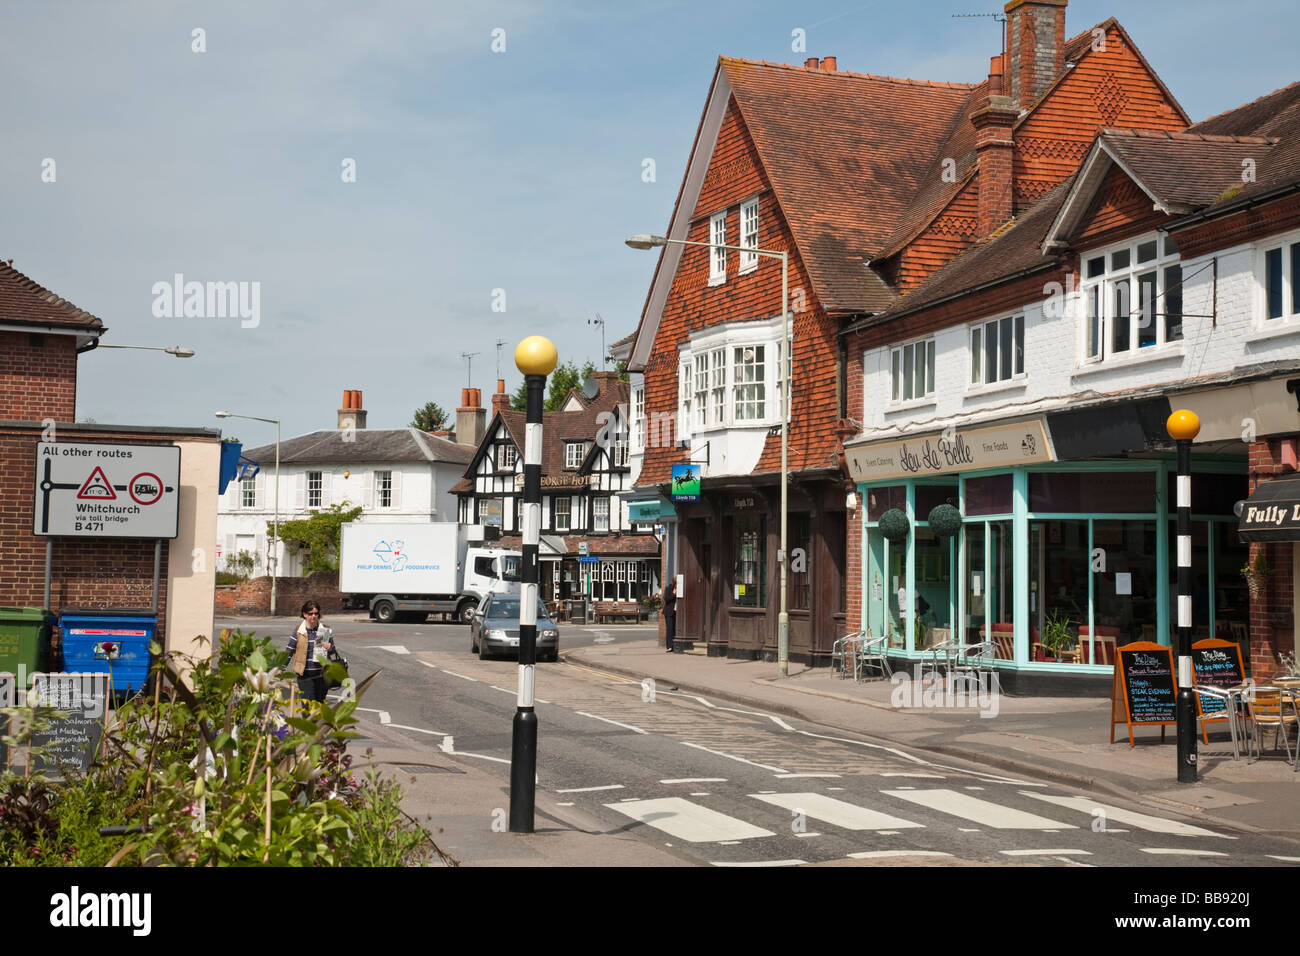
x=535 y=357
x=1184 y=426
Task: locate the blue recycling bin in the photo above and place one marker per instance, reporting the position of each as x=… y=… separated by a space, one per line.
x=103 y=642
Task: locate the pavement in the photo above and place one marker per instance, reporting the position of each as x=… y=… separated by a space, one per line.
x=1066 y=740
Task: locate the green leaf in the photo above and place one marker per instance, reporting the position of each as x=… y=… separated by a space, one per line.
x=256 y=662
x=301 y=724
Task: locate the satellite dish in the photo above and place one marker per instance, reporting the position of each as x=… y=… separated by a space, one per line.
x=590 y=388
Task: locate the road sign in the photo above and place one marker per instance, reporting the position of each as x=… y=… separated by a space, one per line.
x=107 y=491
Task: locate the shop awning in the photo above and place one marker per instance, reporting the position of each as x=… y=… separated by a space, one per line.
x=1272 y=513
x=648 y=512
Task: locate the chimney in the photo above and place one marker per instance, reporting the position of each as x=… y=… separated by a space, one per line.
x=1035 y=48
x=470 y=423
x=500 y=400
x=828 y=64
x=604 y=380
x=352 y=415
x=993 y=119
x=810 y=63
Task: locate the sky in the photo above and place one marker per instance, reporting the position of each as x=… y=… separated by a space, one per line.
x=407 y=181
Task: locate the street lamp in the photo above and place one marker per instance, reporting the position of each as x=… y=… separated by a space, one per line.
x=275 y=533
x=783 y=618
x=1183 y=426
x=535 y=357
x=179 y=351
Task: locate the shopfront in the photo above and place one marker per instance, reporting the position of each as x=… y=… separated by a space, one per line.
x=980 y=535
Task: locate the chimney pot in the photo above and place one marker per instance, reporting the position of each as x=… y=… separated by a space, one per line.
x=351 y=415
x=810 y=63
x=828 y=64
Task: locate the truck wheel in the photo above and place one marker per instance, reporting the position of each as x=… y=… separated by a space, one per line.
x=384 y=612
x=465 y=612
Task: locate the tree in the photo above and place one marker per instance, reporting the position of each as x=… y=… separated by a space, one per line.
x=565 y=377
x=317 y=535
x=430 y=417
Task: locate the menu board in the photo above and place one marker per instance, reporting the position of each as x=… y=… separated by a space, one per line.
x=1144 y=690
x=72 y=739
x=1217 y=664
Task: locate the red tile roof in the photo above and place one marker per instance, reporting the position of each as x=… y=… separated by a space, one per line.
x=25 y=302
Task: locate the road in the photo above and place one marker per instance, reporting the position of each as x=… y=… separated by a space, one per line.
x=727 y=785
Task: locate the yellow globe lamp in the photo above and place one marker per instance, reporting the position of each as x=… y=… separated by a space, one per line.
x=1183 y=425
x=536 y=355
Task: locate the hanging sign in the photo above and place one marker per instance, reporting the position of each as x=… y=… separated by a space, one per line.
x=107 y=491
x=686 y=483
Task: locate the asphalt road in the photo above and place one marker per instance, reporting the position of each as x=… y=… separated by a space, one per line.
x=730 y=786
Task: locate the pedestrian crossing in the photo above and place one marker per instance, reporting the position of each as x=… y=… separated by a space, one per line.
x=897 y=811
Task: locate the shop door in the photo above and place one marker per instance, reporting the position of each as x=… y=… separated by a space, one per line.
x=707 y=599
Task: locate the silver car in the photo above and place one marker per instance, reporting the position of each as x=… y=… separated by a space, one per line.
x=494 y=629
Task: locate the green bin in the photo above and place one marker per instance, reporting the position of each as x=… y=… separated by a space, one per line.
x=25 y=640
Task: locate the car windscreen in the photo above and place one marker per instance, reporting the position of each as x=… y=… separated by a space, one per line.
x=509 y=607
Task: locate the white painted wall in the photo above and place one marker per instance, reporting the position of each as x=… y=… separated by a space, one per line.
x=191 y=569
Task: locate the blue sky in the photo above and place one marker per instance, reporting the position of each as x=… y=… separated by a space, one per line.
x=475 y=171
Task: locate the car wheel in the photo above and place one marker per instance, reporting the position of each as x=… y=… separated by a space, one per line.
x=384 y=612
x=465 y=612
x=482 y=651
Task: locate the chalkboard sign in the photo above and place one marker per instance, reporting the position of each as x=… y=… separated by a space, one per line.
x=1217 y=664
x=71 y=740
x=1143 y=691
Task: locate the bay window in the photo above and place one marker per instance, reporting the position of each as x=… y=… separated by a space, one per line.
x=1132 y=298
x=750 y=383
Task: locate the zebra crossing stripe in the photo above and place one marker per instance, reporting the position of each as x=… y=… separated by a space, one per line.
x=885 y=854
x=1130 y=817
x=689 y=821
x=978 y=811
x=836 y=812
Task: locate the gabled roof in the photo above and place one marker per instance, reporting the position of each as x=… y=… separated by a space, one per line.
x=363 y=446
x=27 y=303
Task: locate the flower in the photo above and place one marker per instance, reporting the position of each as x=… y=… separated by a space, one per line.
x=261 y=681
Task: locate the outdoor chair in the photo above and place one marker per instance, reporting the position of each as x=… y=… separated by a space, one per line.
x=973 y=661
x=871 y=652
x=1267 y=707
x=1232 y=702
x=844 y=650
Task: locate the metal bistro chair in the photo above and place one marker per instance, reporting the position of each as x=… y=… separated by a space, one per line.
x=1266 y=708
x=871 y=652
x=845 y=650
x=950 y=651
x=972 y=661
x=1232 y=701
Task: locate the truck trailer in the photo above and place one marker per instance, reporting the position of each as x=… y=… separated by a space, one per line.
x=415 y=568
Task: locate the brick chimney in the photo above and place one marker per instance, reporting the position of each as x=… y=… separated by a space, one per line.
x=352 y=415
x=500 y=400
x=1035 y=48
x=993 y=119
x=604 y=380
x=470 y=423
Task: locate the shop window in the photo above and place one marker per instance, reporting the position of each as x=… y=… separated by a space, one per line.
x=749 y=544
x=799 y=537
x=1211 y=494
x=1093 y=492
x=884 y=498
x=927 y=496
x=1058 y=590
x=990 y=495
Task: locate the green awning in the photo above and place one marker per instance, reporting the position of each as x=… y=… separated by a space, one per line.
x=650 y=511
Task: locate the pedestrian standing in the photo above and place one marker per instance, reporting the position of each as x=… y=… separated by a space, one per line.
x=670 y=612
x=308 y=651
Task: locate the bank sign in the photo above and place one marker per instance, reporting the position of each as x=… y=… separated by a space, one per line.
x=107 y=491
x=950 y=451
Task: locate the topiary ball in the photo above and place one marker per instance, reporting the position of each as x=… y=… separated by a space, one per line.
x=945 y=520
x=894 y=525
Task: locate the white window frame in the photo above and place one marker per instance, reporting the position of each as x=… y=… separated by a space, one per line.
x=749 y=235
x=701 y=391
x=315 y=489
x=718 y=384
x=383 y=489
x=911 y=353
x=718 y=257
x=600 y=514
x=1099 y=297
x=638 y=416
x=574 y=452
x=248 y=492
x=1288 y=248
x=684 y=373
x=566 y=513
x=978 y=335
x=508 y=457
x=749 y=383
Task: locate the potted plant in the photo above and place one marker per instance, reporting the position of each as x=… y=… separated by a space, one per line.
x=1056 y=635
x=1256 y=574
x=650 y=604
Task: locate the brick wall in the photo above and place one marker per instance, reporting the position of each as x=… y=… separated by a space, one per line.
x=1272 y=627
x=1035 y=46
x=253 y=597
x=38 y=377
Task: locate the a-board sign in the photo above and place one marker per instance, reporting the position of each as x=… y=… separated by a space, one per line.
x=72 y=739
x=1144 y=690
x=106 y=491
x=1217 y=664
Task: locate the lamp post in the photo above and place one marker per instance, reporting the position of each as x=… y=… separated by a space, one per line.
x=535 y=356
x=275 y=524
x=783 y=617
x=1183 y=426
x=179 y=351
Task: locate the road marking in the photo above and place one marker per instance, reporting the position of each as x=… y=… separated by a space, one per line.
x=383 y=714
x=735 y=710
x=791 y=776
x=418 y=730
x=978 y=811
x=564 y=804
x=836 y=812
x=615 y=678
x=728 y=843
x=448 y=747
x=975 y=788
x=885 y=854
x=1175 y=851
x=886 y=833
x=610 y=786
x=1045 y=853
x=1285 y=859
x=1072 y=862
x=765 y=863
x=688 y=821
x=932 y=776
x=473 y=680
x=1119 y=815
x=696 y=780
x=801 y=835
x=912 y=758
x=702 y=793
x=394 y=648
x=614 y=722
x=512 y=693
x=719 y=753
x=603 y=637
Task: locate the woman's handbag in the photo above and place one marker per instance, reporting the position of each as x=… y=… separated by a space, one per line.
x=334 y=657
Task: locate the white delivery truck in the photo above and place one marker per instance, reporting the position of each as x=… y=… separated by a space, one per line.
x=421 y=567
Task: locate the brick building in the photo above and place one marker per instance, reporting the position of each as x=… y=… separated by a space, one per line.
x=41 y=339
